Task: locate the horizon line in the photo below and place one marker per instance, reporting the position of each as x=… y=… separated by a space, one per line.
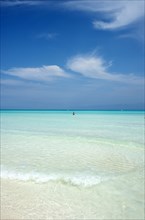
x=30 y=109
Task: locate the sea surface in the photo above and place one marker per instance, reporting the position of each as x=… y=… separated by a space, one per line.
x=99 y=154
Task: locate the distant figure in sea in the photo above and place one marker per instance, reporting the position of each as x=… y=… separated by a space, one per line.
x=73 y=113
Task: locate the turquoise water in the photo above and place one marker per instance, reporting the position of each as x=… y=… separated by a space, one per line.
x=87 y=150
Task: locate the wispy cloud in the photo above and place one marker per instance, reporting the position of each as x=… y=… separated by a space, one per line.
x=136 y=33
x=40 y=74
x=128 y=13
x=96 y=67
x=114 y=14
x=90 y=66
x=117 y=14
x=47 y=36
x=10 y=3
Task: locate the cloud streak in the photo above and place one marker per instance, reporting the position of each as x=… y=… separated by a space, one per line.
x=47 y=36
x=40 y=74
x=11 y=3
x=117 y=14
x=97 y=68
x=114 y=14
x=90 y=66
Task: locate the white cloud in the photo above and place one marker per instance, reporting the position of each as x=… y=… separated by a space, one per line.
x=44 y=73
x=127 y=14
x=90 y=5
x=8 y=3
x=119 y=13
x=47 y=36
x=96 y=67
x=90 y=66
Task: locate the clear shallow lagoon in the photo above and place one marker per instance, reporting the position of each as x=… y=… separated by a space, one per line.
x=99 y=153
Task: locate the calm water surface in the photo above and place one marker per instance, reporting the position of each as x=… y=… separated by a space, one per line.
x=98 y=152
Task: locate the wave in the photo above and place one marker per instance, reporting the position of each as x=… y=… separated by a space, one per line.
x=78 y=179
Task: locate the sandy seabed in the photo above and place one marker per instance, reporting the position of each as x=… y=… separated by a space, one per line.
x=29 y=200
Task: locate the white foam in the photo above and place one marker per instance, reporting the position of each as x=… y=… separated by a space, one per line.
x=78 y=179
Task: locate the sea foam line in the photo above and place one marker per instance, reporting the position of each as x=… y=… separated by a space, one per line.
x=79 y=179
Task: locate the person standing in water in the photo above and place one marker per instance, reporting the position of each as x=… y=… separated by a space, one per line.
x=73 y=113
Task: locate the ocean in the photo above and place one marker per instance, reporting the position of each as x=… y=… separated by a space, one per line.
x=57 y=165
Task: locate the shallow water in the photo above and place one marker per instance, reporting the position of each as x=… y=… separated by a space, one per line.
x=89 y=150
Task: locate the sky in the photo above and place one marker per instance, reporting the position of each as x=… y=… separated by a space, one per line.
x=84 y=54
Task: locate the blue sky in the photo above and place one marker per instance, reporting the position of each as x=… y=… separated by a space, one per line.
x=72 y=54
